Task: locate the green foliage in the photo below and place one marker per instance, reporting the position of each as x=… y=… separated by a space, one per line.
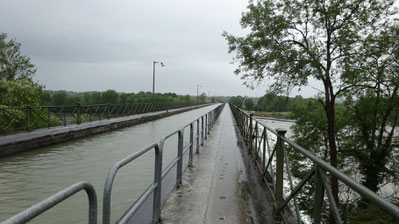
x=291 y=41
x=110 y=96
x=370 y=214
x=248 y=104
x=236 y=100
x=202 y=98
x=13 y=65
x=276 y=103
x=20 y=93
x=25 y=118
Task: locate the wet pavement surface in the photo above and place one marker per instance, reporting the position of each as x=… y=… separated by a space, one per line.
x=223 y=185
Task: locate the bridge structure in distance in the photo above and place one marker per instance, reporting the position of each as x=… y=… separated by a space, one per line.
x=229 y=168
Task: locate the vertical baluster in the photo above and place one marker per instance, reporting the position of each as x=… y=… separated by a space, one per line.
x=180 y=157
x=156 y=208
x=78 y=118
x=190 y=163
x=279 y=170
x=198 y=134
x=319 y=196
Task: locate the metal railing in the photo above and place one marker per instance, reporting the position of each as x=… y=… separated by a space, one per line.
x=14 y=119
x=256 y=135
x=203 y=124
x=37 y=209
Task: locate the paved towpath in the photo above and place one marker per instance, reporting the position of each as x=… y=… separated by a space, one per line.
x=223 y=185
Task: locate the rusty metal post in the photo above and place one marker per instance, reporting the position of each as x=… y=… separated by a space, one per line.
x=279 y=170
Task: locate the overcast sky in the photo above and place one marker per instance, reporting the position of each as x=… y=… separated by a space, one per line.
x=95 y=45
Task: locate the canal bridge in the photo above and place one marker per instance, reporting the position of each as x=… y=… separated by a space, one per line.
x=211 y=164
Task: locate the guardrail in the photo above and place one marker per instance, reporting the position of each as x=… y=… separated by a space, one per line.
x=256 y=135
x=203 y=124
x=14 y=119
x=37 y=209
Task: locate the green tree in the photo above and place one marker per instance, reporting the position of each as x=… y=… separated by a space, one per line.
x=249 y=104
x=20 y=93
x=291 y=41
x=202 y=98
x=110 y=96
x=60 y=98
x=236 y=100
x=375 y=112
x=13 y=65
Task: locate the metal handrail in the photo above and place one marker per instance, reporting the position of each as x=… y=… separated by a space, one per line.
x=159 y=174
x=32 y=117
x=37 y=209
x=245 y=123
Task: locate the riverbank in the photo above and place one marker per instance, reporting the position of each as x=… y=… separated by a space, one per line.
x=283 y=116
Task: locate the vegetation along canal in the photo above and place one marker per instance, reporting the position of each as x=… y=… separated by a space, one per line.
x=29 y=177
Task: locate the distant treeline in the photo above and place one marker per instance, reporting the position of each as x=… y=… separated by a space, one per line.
x=271 y=103
x=112 y=97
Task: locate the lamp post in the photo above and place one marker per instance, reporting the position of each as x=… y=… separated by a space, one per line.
x=153 y=78
x=197 y=92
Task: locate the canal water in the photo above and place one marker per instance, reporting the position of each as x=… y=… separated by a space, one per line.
x=29 y=177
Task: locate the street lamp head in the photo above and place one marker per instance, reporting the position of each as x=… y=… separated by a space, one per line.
x=162 y=64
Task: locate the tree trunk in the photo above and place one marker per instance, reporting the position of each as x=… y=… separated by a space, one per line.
x=330 y=112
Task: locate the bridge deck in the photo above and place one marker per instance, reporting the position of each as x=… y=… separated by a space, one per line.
x=223 y=185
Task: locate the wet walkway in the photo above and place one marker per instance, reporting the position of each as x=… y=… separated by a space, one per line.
x=223 y=185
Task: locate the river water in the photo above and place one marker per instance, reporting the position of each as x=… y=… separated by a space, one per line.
x=29 y=177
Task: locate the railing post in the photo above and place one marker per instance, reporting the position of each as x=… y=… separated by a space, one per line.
x=319 y=196
x=264 y=148
x=279 y=170
x=208 y=123
x=250 y=139
x=190 y=162
x=108 y=115
x=202 y=130
x=29 y=117
x=180 y=157
x=198 y=134
x=156 y=208
x=206 y=126
x=256 y=140
x=78 y=115
x=48 y=118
